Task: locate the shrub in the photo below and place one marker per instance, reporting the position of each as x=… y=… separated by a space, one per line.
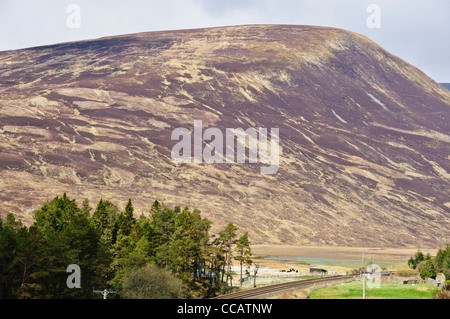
x=406 y=273
x=151 y=282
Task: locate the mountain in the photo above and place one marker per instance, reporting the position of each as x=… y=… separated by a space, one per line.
x=446 y=85
x=364 y=136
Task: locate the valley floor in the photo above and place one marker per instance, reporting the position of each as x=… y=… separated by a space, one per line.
x=338 y=255
x=281 y=263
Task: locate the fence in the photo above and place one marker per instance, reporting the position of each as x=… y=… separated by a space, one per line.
x=268 y=276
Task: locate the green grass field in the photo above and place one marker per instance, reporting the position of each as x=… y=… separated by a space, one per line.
x=354 y=290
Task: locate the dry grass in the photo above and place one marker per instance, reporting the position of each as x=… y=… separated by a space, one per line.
x=295 y=294
x=443 y=294
x=399 y=255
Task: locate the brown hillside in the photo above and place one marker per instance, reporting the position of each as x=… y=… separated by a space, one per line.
x=365 y=136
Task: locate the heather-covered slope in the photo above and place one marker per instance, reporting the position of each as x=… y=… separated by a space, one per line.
x=364 y=136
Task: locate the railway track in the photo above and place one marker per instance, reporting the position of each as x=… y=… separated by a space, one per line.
x=255 y=293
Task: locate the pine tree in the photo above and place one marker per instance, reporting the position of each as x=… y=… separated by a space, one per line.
x=68 y=237
x=428 y=270
x=184 y=253
x=439 y=260
x=8 y=260
x=124 y=222
x=416 y=260
x=226 y=240
x=162 y=220
x=446 y=267
x=85 y=208
x=128 y=220
x=100 y=217
x=243 y=252
x=109 y=245
x=411 y=263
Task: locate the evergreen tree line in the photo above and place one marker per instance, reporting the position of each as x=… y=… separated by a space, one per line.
x=429 y=267
x=167 y=254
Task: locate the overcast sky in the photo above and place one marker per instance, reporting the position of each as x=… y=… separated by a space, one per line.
x=417 y=31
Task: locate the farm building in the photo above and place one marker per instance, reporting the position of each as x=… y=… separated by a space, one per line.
x=317 y=271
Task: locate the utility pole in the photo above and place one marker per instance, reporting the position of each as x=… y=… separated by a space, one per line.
x=105 y=292
x=363 y=277
x=255 y=271
x=362 y=260
x=364 y=286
